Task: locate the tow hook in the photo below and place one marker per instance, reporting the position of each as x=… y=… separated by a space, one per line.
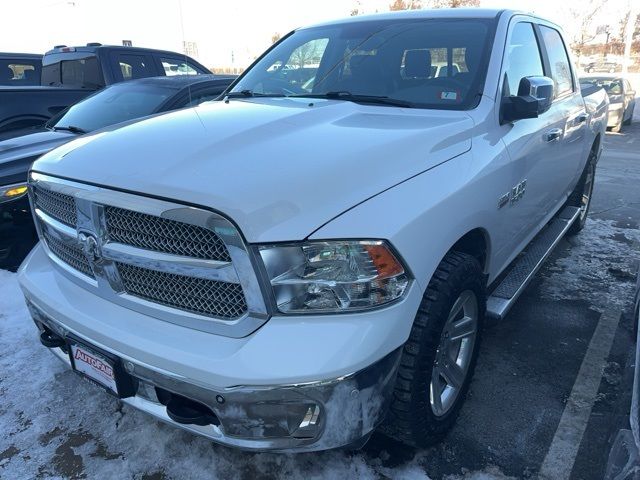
x=51 y=340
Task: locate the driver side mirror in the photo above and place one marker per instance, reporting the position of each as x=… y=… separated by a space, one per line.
x=535 y=95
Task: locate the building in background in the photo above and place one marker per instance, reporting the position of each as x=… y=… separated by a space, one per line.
x=190 y=48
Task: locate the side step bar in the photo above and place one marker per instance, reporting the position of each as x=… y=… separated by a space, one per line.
x=525 y=267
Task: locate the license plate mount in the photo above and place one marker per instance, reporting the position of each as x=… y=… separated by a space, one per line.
x=101 y=368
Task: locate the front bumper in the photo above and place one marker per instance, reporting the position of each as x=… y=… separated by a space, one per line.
x=307 y=417
x=323 y=382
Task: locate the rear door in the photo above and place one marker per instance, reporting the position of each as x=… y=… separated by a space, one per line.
x=568 y=112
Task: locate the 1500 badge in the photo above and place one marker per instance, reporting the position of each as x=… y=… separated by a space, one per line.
x=516 y=193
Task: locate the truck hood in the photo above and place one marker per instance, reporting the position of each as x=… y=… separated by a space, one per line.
x=18 y=153
x=280 y=168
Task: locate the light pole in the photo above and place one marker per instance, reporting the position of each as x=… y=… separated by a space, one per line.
x=631 y=23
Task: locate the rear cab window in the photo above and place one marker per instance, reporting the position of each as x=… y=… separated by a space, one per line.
x=79 y=72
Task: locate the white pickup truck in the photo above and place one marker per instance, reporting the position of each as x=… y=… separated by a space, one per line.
x=313 y=256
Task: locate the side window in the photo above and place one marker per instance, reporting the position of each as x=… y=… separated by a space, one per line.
x=523 y=57
x=558 y=60
x=135 y=66
x=176 y=66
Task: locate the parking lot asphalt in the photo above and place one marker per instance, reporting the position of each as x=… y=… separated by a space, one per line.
x=551 y=389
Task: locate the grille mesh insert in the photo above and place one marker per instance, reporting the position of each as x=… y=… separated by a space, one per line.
x=57 y=205
x=70 y=255
x=196 y=295
x=164 y=235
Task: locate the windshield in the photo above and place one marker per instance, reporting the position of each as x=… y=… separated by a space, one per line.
x=112 y=105
x=613 y=86
x=424 y=63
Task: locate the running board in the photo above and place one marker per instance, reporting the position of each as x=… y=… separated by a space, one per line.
x=531 y=259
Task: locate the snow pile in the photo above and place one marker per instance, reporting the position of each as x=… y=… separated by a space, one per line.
x=55 y=425
x=598 y=267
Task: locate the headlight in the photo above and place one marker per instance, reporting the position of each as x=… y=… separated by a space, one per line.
x=12 y=192
x=333 y=276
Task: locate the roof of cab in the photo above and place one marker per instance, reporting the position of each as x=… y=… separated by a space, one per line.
x=95 y=47
x=422 y=13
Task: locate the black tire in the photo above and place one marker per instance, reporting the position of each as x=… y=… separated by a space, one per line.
x=411 y=417
x=577 y=196
x=630 y=119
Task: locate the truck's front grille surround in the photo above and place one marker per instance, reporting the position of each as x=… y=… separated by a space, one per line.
x=60 y=206
x=195 y=295
x=164 y=235
x=71 y=255
x=178 y=263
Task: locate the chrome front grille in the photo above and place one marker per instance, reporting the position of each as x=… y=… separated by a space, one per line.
x=195 y=295
x=71 y=255
x=181 y=264
x=164 y=235
x=57 y=205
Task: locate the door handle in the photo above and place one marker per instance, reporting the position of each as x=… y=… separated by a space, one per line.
x=582 y=118
x=553 y=135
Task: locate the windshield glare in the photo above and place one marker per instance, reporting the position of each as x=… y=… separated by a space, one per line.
x=429 y=63
x=113 y=105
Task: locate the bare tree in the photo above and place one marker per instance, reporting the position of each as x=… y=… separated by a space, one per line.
x=405 y=5
x=306 y=54
x=452 y=3
x=355 y=11
x=580 y=28
x=275 y=37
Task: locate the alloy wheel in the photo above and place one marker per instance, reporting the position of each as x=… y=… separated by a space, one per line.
x=454 y=353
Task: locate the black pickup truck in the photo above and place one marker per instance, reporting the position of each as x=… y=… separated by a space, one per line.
x=71 y=73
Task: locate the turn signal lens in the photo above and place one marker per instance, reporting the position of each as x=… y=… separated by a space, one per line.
x=334 y=276
x=12 y=192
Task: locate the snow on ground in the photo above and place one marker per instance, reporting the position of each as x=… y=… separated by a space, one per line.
x=598 y=267
x=55 y=425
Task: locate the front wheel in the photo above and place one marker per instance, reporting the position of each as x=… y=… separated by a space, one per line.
x=581 y=196
x=439 y=358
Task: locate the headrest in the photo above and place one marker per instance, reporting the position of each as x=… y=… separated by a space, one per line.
x=417 y=63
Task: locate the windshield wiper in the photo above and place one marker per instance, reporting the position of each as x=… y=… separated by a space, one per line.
x=70 y=128
x=250 y=93
x=356 y=98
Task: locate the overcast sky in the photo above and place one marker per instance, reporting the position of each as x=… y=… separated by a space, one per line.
x=238 y=29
